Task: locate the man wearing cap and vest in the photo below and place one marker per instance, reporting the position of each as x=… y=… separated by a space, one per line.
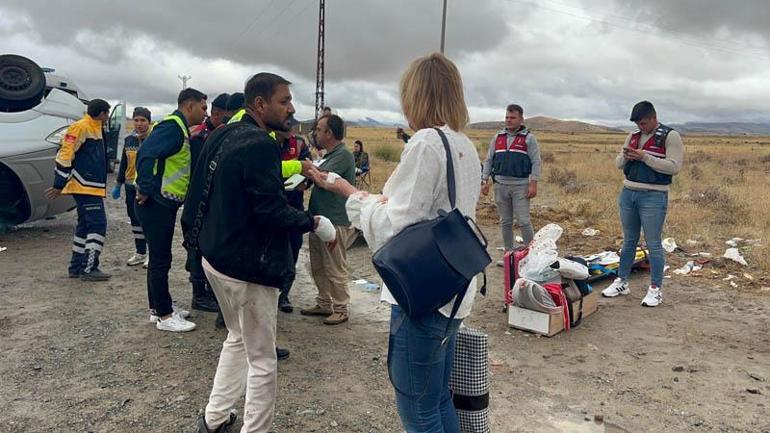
x=163 y=176
x=235 y=108
x=81 y=171
x=203 y=297
x=513 y=165
x=651 y=156
x=127 y=175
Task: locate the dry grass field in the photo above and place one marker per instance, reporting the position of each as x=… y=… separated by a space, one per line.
x=721 y=193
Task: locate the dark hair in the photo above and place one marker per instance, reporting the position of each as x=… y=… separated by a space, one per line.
x=327 y=108
x=360 y=144
x=642 y=110
x=190 y=94
x=515 y=107
x=220 y=101
x=263 y=85
x=97 y=107
x=234 y=102
x=142 y=112
x=335 y=124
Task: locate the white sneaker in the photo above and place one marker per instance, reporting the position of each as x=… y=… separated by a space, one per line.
x=618 y=287
x=175 y=323
x=653 y=298
x=146 y=262
x=136 y=259
x=177 y=310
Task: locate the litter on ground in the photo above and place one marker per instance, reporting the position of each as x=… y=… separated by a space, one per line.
x=590 y=232
x=689 y=267
x=735 y=255
x=669 y=244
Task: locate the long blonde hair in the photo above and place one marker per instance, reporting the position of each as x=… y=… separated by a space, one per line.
x=432 y=94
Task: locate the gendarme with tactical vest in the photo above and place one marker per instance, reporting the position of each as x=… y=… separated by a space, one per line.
x=512 y=161
x=655 y=146
x=176 y=171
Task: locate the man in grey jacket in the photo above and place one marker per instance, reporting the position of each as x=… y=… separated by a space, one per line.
x=513 y=165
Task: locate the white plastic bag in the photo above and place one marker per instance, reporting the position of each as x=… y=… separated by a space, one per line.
x=735 y=255
x=549 y=231
x=572 y=270
x=536 y=266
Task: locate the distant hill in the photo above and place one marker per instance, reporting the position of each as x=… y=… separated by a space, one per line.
x=542 y=123
x=723 y=128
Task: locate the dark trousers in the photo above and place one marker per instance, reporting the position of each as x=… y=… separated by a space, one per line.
x=136 y=227
x=89 y=233
x=158 y=221
x=296 y=200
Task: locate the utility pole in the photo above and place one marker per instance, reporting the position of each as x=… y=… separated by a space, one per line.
x=319 y=71
x=184 y=79
x=443 y=28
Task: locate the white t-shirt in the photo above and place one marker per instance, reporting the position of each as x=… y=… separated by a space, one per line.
x=416 y=191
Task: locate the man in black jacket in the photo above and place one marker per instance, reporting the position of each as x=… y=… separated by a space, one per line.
x=237 y=204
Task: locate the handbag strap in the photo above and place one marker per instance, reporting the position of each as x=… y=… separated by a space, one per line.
x=450 y=168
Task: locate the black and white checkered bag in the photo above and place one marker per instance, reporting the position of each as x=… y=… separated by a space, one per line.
x=470 y=380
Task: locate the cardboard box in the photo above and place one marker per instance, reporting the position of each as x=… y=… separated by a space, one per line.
x=548 y=324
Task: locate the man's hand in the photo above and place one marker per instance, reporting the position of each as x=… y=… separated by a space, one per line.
x=532 y=190
x=141 y=198
x=485 y=187
x=52 y=193
x=308 y=168
x=633 y=154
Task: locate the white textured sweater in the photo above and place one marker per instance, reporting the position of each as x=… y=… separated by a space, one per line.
x=416 y=191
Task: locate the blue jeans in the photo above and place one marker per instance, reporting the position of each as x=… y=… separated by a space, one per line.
x=420 y=366
x=643 y=210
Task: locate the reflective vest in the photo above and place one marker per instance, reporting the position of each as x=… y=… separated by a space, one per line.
x=638 y=171
x=513 y=161
x=237 y=116
x=288 y=168
x=176 y=172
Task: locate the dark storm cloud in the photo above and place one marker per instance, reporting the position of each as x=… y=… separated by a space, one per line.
x=371 y=40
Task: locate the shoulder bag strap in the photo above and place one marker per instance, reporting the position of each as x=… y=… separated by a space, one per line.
x=450 y=169
x=192 y=242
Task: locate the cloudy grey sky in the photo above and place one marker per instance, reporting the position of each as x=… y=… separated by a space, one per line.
x=697 y=60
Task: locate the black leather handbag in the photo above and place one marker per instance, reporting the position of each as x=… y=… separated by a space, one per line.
x=430 y=262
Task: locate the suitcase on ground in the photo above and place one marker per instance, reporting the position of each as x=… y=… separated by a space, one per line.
x=511 y=260
x=469 y=381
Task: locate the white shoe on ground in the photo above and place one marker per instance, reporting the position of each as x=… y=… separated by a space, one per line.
x=146 y=262
x=618 y=287
x=177 y=310
x=653 y=298
x=175 y=323
x=136 y=259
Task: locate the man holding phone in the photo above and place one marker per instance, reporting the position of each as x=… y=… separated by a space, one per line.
x=650 y=157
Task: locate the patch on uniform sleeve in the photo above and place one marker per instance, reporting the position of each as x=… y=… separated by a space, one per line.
x=69 y=138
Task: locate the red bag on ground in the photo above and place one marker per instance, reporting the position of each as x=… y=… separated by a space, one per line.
x=560 y=299
x=511 y=260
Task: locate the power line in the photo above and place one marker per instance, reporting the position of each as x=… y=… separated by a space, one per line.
x=256 y=19
x=275 y=21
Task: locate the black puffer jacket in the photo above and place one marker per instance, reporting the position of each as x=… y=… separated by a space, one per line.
x=246 y=228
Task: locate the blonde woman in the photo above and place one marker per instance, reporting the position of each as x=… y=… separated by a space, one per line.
x=419 y=360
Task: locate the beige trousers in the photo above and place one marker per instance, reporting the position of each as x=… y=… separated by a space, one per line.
x=330 y=270
x=247 y=363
